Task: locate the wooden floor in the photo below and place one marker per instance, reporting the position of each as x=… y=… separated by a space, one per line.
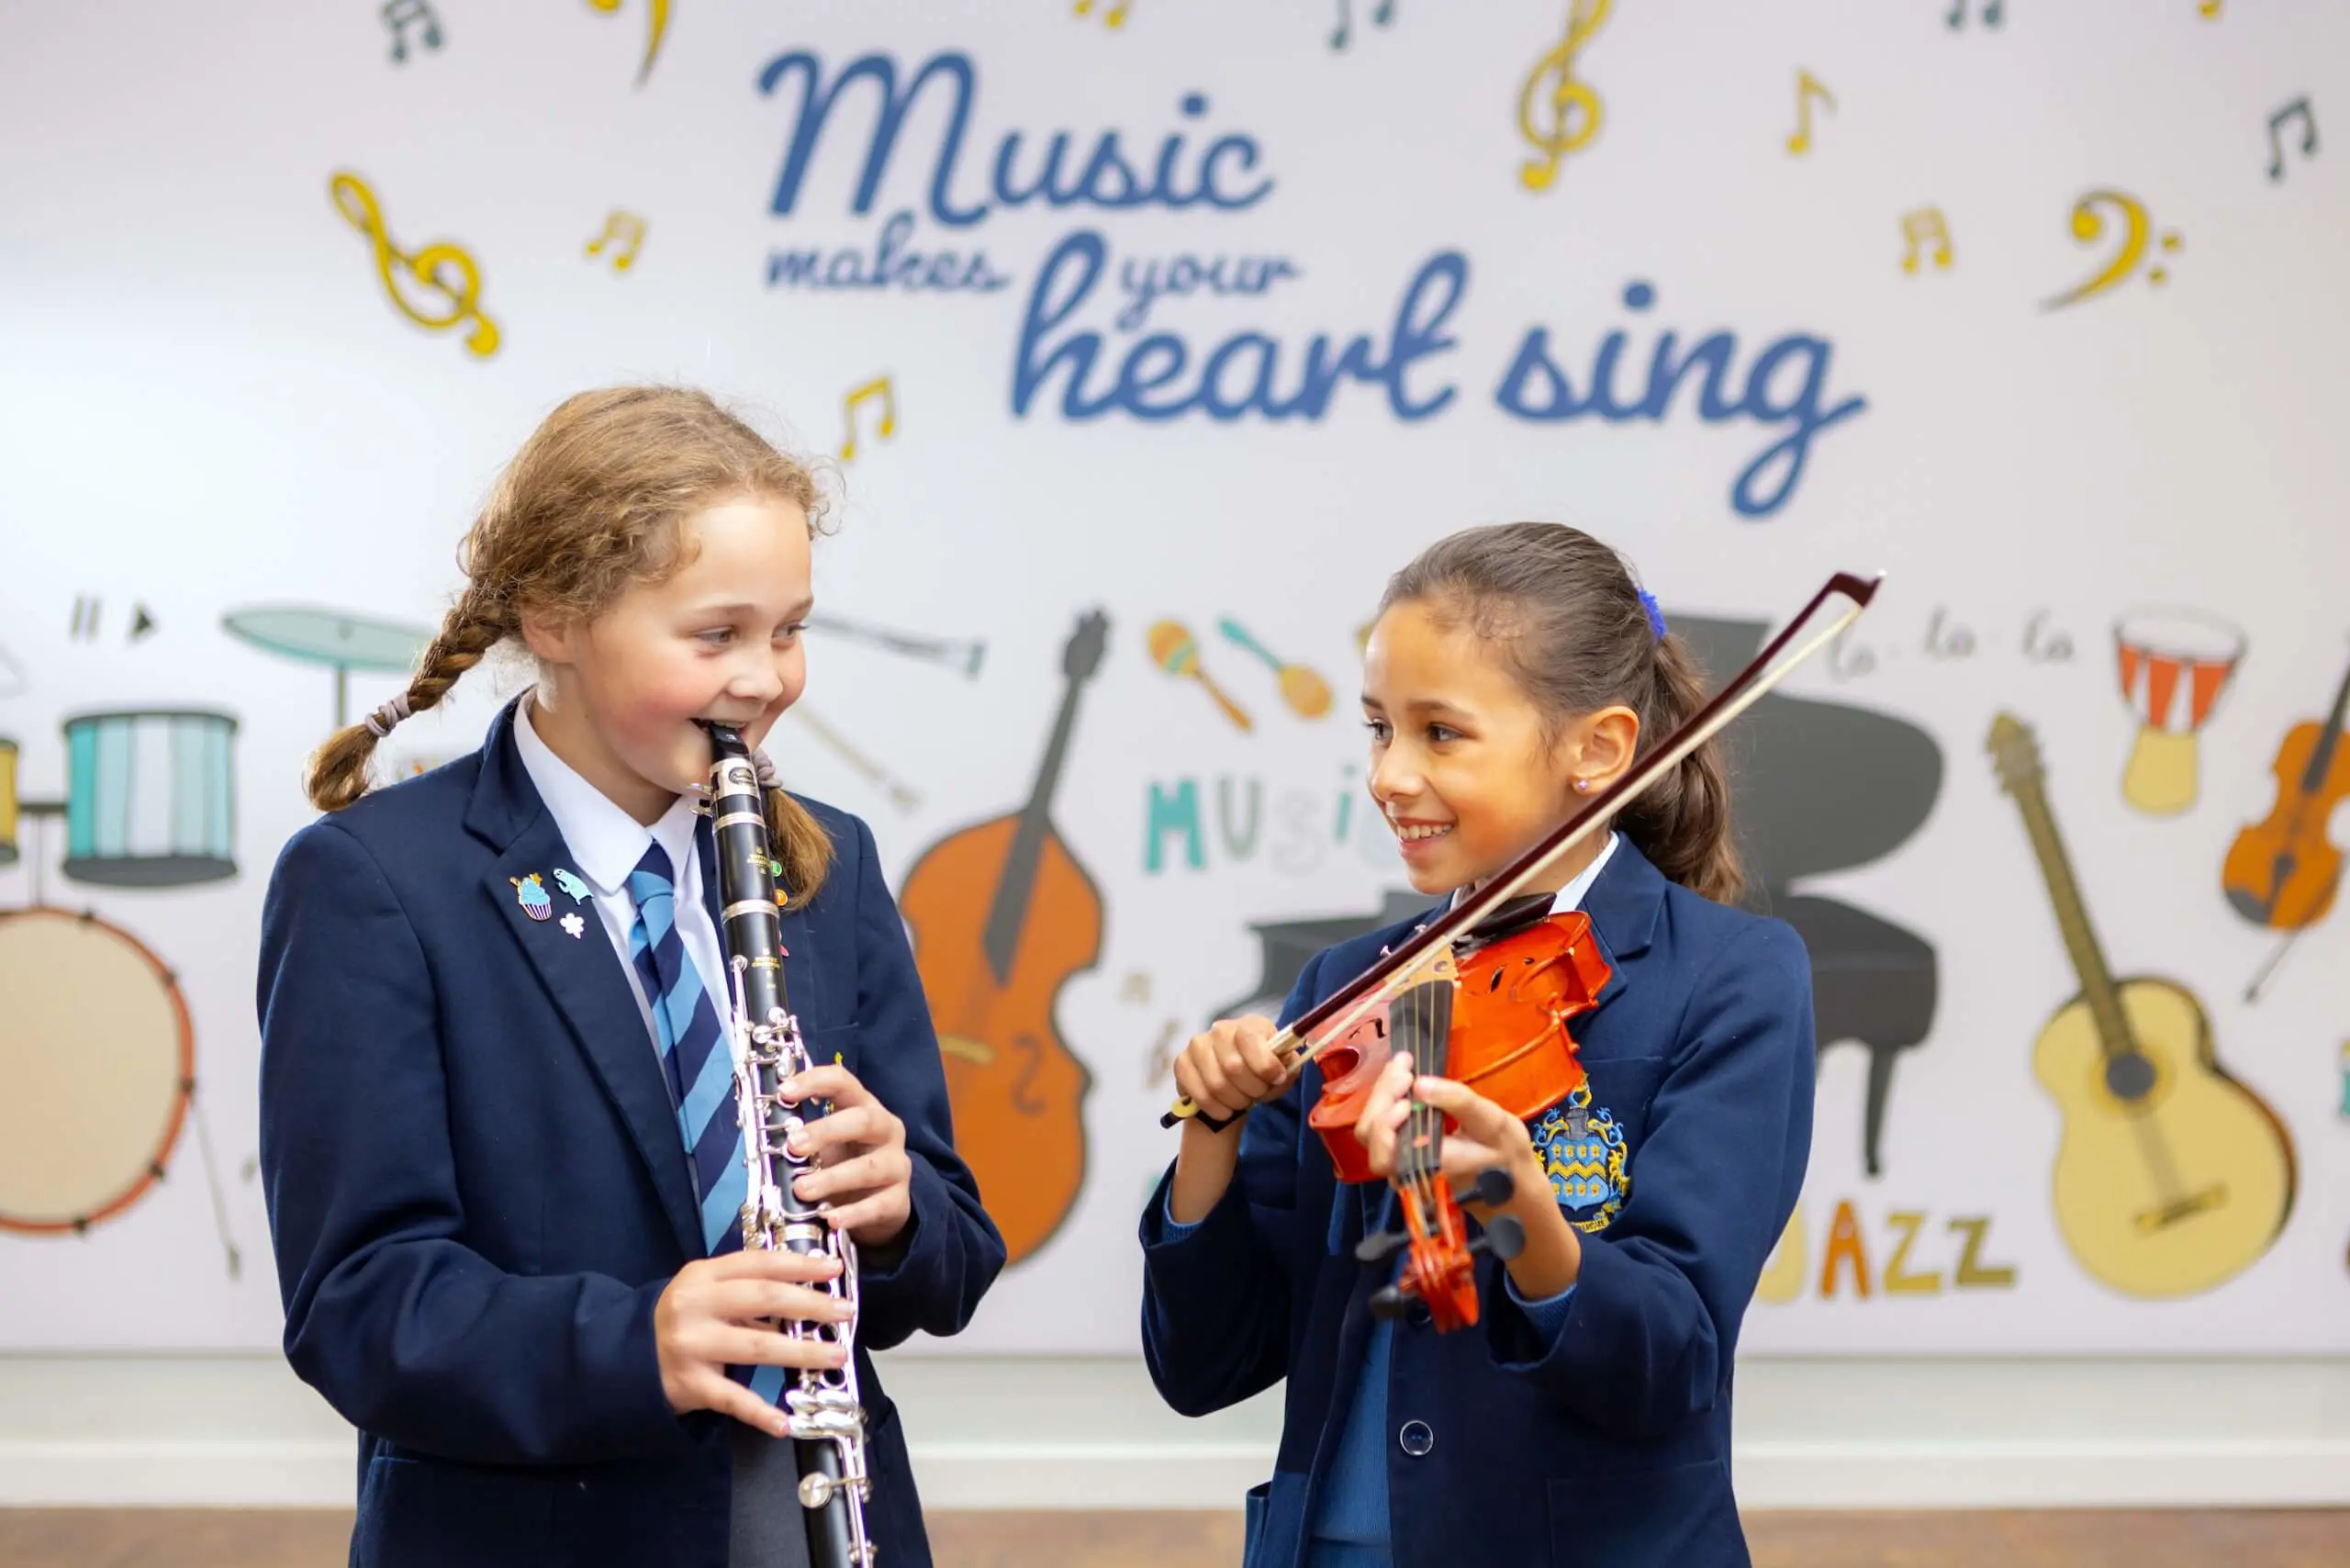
x=136 y=1538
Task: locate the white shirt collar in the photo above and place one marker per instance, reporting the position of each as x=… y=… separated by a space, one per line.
x=1571 y=897
x=607 y=841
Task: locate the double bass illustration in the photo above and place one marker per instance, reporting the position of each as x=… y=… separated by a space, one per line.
x=1003 y=915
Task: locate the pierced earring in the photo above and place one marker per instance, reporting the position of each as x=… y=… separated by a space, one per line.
x=1583 y=783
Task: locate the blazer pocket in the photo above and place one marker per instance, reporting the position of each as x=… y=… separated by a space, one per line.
x=1681 y=1514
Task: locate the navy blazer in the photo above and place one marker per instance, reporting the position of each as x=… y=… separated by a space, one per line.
x=478 y=1189
x=1610 y=1443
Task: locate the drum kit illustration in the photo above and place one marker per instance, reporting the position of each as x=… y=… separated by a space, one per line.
x=97 y=1063
x=150 y=802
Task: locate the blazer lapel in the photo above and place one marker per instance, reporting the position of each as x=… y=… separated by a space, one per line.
x=581 y=974
x=1624 y=904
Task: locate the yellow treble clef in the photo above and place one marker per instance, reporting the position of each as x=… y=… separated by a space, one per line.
x=440 y=267
x=1574 y=106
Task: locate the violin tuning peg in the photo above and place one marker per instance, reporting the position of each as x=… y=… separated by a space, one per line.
x=1388 y=1303
x=1376 y=1248
x=1495 y=1186
x=1504 y=1239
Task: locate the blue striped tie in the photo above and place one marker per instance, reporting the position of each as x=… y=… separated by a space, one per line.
x=693 y=1051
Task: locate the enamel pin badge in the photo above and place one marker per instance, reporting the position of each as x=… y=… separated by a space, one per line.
x=573 y=925
x=570 y=883
x=532 y=894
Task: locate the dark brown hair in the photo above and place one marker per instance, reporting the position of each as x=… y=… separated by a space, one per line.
x=1563 y=615
x=595 y=502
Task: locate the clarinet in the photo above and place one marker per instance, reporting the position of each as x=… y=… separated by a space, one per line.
x=825 y=1413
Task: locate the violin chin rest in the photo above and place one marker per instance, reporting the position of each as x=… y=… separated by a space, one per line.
x=1504 y=1239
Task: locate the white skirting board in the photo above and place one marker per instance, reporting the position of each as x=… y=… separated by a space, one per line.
x=155 y=1431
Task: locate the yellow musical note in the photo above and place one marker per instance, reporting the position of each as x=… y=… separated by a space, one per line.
x=431 y=267
x=2210 y=9
x=1918 y=226
x=1806 y=85
x=1115 y=17
x=2088 y=227
x=1574 y=106
x=619 y=228
x=660 y=25
x=878 y=388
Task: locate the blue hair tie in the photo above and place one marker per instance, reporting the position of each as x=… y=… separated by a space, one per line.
x=1656 y=616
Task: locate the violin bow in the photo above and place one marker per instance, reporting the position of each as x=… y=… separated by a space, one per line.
x=1304 y=1038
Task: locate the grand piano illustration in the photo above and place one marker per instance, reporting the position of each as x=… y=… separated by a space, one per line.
x=1819 y=786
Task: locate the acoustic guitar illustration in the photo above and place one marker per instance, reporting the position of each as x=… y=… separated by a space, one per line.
x=1003 y=915
x=2172 y=1177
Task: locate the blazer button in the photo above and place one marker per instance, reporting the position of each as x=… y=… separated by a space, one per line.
x=1416 y=1438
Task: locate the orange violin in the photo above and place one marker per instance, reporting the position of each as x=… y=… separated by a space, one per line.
x=2283 y=872
x=1490 y=1013
x=1511 y=988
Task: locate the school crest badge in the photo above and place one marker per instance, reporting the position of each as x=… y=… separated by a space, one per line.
x=1583 y=1150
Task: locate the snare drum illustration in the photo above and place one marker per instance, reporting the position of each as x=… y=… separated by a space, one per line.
x=97 y=1063
x=150 y=798
x=2175 y=664
x=8 y=802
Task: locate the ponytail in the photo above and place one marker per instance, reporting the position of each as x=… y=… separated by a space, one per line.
x=1682 y=821
x=475 y=624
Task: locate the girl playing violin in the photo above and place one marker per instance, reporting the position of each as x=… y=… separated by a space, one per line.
x=1513 y=672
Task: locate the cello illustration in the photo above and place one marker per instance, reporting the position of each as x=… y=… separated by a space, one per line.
x=2283 y=872
x=1003 y=915
x=1873 y=983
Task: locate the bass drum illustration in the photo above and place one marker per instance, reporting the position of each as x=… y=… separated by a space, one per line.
x=96 y=1064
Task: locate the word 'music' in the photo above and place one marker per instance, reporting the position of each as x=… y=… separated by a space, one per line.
x=1062 y=171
